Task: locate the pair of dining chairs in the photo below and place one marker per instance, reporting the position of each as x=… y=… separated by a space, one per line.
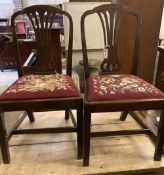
x=43 y=87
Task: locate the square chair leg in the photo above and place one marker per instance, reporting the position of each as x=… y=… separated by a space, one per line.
x=79 y=131
x=86 y=141
x=4 y=140
x=160 y=138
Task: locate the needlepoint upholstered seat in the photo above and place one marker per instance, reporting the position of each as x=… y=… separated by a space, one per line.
x=40 y=87
x=119 y=86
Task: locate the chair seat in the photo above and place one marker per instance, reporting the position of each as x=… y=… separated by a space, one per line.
x=116 y=87
x=41 y=87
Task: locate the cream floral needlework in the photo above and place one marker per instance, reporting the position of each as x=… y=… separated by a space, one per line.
x=34 y=83
x=122 y=84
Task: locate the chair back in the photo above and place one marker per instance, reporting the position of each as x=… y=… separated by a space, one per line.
x=48 y=51
x=112 y=18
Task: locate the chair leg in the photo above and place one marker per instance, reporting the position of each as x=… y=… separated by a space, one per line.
x=66 y=114
x=4 y=140
x=79 y=131
x=1 y=66
x=160 y=138
x=123 y=115
x=86 y=141
x=31 y=116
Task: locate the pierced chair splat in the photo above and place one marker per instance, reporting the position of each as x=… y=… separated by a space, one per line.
x=42 y=86
x=114 y=88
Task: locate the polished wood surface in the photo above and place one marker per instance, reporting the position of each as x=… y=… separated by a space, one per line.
x=151 y=20
x=7 y=57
